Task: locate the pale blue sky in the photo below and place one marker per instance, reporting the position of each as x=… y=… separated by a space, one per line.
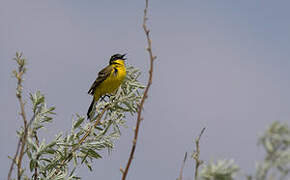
x=223 y=64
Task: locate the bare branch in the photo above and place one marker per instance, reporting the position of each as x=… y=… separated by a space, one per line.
x=182 y=167
x=145 y=95
x=14 y=159
x=195 y=155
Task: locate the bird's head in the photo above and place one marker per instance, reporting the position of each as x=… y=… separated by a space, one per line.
x=117 y=58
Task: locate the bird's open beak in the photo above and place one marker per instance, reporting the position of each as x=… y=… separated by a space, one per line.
x=123 y=56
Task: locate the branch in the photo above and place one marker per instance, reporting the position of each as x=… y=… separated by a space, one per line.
x=14 y=159
x=182 y=166
x=90 y=128
x=22 y=140
x=195 y=155
x=35 y=175
x=21 y=71
x=145 y=95
x=83 y=138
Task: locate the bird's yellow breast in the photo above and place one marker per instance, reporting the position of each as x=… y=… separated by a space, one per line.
x=113 y=81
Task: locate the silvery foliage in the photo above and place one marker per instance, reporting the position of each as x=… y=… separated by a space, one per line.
x=221 y=170
x=60 y=158
x=276 y=164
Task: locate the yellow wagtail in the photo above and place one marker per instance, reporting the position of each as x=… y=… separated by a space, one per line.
x=108 y=80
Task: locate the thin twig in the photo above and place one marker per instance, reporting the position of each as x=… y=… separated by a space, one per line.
x=195 y=155
x=182 y=166
x=83 y=138
x=33 y=117
x=145 y=95
x=24 y=136
x=22 y=140
x=35 y=175
x=95 y=124
x=14 y=159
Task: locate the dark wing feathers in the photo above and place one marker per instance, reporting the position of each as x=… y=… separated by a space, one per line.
x=102 y=75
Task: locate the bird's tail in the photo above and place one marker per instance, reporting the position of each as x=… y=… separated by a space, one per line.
x=90 y=109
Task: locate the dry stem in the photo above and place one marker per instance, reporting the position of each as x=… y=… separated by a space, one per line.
x=145 y=95
x=22 y=113
x=195 y=155
x=14 y=159
x=182 y=166
x=22 y=140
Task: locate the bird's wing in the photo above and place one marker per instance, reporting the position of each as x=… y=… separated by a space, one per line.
x=102 y=75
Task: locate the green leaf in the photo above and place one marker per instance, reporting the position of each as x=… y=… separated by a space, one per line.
x=88 y=165
x=268 y=145
x=94 y=154
x=32 y=165
x=85 y=156
x=45 y=159
x=49 y=151
x=79 y=122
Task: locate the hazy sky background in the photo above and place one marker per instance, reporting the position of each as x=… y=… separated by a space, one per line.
x=221 y=64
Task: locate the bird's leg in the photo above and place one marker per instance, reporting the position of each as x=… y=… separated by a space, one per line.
x=103 y=97
x=107 y=95
x=113 y=99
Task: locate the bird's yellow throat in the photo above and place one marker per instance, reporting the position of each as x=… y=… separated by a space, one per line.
x=108 y=80
x=113 y=81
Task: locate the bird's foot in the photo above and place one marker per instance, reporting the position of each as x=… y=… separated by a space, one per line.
x=103 y=97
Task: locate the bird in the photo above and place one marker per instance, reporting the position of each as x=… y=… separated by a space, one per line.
x=108 y=81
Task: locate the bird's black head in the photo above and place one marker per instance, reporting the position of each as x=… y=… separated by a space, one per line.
x=117 y=57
